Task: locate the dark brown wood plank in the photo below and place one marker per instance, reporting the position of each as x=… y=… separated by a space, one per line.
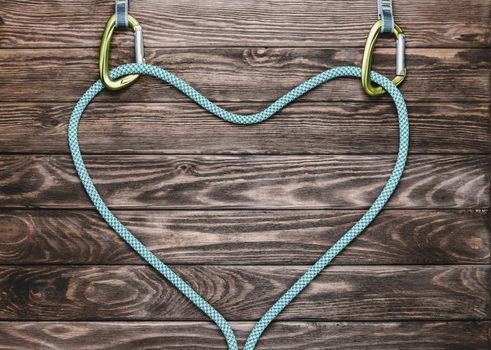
x=418 y=278
x=237 y=74
x=340 y=293
x=244 y=22
x=279 y=336
x=259 y=182
x=303 y=128
x=245 y=237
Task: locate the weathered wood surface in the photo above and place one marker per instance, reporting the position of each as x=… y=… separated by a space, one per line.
x=303 y=128
x=340 y=293
x=279 y=336
x=169 y=23
x=259 y=182
x=418 y=279
x=245 y=237
x=238 y=74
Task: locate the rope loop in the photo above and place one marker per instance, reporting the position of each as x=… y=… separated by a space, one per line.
x=279 y=104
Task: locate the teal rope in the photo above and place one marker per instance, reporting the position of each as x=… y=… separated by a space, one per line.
x=186 y=89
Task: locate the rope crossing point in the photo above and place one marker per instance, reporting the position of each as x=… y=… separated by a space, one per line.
x=291 y=96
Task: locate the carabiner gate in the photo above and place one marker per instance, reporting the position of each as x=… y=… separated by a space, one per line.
x=366 y=66
x=127 y=80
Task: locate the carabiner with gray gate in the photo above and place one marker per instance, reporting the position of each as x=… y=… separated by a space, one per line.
x=385 y=24
x=120 y=19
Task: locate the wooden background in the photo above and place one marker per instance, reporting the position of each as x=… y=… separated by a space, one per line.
x=241 y=212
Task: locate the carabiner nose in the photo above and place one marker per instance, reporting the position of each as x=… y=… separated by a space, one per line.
x=127 y=80
x=366 y=66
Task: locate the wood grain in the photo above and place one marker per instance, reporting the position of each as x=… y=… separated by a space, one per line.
x=245 y=237
x=242 y=212
x=244 y=22
x=303 y=128
x=238 y=74
x=259 y=182
x=279 y=336
x=340 y=293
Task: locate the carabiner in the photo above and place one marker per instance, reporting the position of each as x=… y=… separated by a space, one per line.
x=127 y=80
x=366 y=65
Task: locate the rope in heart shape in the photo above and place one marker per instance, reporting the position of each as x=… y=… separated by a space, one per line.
x=322 y=262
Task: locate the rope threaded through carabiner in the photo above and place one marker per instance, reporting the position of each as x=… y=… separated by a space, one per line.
x=295 y=93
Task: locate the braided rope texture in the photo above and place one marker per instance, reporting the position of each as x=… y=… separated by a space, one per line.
x=324 y=260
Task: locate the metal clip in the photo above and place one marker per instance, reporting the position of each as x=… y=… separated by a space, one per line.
x=366 y=66
x=127 y=80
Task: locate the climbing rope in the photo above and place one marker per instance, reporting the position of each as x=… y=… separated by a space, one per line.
x=291 y=96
